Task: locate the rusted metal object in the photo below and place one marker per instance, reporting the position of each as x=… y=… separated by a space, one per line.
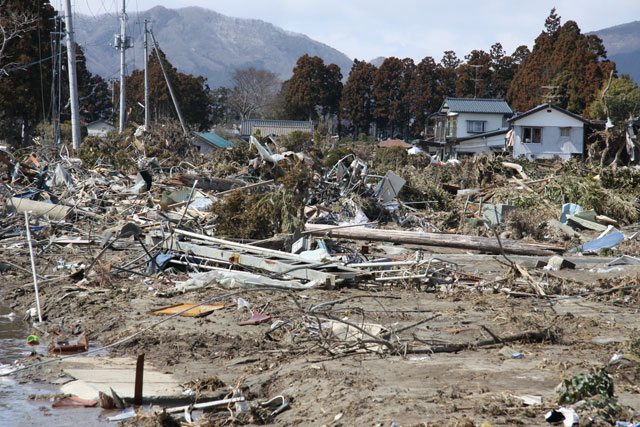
x=81 y=345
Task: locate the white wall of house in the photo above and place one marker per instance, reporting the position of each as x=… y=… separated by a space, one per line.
x=203 y=147
x=492 y=122
x=99 y=128
x=485 y=145
x=552 y=144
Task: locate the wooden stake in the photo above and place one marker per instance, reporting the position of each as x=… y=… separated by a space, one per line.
x=137 y=395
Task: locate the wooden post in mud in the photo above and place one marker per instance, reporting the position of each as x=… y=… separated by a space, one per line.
x=137 y=394
x=33 y=265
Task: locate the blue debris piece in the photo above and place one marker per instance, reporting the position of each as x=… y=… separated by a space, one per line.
x=162 y=260
x=608 y=241
x=569 y=209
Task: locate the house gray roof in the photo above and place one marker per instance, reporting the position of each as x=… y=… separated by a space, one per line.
x=248 y=124
x=476 y=105
x=545 y=106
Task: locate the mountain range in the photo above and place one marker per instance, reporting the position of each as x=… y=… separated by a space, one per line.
x=623 y=47
x=203 y=42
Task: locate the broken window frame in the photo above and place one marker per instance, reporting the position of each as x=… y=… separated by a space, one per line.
x=535 y=135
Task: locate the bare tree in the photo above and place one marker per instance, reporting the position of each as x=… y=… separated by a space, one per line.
x=13 y=24
x=253 y=91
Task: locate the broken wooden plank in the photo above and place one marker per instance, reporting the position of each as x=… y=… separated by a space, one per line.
x=483 y=244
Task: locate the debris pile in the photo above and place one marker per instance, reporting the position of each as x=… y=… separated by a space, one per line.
x=257 y=273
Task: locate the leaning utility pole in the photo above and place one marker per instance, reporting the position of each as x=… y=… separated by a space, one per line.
x=73 y=80
x=123 y=44
x=147 y=113
x=166 y=77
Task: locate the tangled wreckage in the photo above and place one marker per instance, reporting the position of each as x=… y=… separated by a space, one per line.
x=334 y=287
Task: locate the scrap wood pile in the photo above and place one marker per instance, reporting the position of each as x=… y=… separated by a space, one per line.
x=281 y=225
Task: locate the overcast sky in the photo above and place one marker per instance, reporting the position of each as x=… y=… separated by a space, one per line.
x=366 y=29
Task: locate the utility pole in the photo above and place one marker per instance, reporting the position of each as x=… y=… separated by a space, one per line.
x=122 y=43
x=166 y=77
x=73 y=80
x=147 y=113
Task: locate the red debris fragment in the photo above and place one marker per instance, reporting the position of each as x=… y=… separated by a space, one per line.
x=256 y=319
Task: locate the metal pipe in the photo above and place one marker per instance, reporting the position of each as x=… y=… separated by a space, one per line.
x=33 y=266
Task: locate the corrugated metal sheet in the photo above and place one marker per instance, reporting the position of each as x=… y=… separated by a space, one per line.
x=477 y=105
x=214 y=139
x=276 y=127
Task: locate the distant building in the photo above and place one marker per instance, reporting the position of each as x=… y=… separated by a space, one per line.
x=207 y=142
x=99 y=128
x=547 y=131
x=274 y=127
x=470 y=125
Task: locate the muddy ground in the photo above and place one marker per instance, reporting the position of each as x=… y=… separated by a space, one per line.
x=400 y=379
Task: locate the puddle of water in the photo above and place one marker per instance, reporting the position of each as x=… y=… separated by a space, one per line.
x=15 y=407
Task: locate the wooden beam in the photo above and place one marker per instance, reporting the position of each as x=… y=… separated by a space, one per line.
x=458 y=241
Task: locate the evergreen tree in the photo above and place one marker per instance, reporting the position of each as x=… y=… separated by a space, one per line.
x=423 y=92
x=313 y=90
x=356 y=103
x=25 y=94
x=391 y=92
x=448 y=74
x=192 y=92
x=621 y=101
x=478 y=63
x=565 y=58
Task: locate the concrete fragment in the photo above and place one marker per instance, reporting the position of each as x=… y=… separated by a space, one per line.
x=557 y=263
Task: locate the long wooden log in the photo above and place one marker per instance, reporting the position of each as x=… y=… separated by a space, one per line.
x=483 y=244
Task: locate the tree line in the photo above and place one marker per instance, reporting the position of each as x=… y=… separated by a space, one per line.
x=394 y=99
x=565 y=67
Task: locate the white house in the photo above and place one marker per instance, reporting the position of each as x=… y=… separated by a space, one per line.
x=547 y=131
x=274 y=127
x=471 y=125
x=99 y=128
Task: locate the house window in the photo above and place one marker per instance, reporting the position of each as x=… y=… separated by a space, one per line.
x=565 y=132
x=475 y=126
x=531 y=135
